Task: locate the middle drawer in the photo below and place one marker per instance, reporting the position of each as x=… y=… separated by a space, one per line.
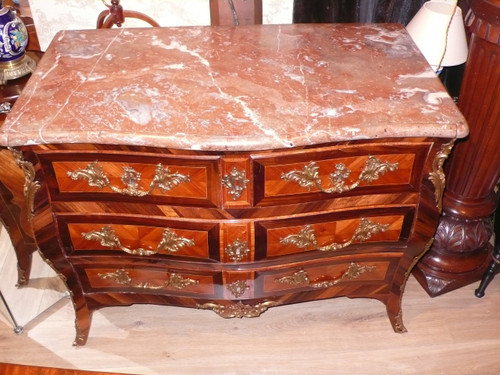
x=105 y=235
x=235 y=241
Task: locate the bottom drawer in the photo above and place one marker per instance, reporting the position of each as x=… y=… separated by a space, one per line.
x=320 y=276
x=143 y=279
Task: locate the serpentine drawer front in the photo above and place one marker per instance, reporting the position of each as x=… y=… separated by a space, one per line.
x=239 y=170
x=273 y=238
x=304 y=175
x=124 y=176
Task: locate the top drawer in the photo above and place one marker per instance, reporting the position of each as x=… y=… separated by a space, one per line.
x=330 y=172
x=132 y=177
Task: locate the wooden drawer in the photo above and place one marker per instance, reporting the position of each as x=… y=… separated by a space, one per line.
x=163 y=179
x=144 y=280
x=332 y=232
x=303 y=176
x=101 y=235
x=325 y=275
x=235 y=242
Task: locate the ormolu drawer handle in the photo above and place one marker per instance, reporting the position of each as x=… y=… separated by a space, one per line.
x=163 y=179
x=237 y=250
x=238 y=288
x=307 y=238
x=309 y=175
x=301 y=277
x=122 y=277
x=170 y=242
x=235 y=182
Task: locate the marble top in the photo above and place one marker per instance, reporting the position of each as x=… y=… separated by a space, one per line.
x=232 y=88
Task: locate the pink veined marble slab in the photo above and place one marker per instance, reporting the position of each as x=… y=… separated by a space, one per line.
x=232 y=88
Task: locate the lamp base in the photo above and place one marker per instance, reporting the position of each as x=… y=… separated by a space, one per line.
x=16 y=69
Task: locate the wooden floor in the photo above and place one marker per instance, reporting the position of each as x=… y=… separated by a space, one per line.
x=452 y=334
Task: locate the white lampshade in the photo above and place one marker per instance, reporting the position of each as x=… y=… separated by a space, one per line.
x=435 y=36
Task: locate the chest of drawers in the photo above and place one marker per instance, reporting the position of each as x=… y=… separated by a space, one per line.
x=226 y=177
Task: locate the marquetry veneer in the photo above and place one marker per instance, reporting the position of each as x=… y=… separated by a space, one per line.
x=239 y=169
x=138 y=225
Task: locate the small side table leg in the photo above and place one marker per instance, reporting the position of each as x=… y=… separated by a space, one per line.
x=17 y=328
x=490 y=272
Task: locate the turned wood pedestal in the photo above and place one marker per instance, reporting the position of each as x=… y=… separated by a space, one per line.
x=461 y=249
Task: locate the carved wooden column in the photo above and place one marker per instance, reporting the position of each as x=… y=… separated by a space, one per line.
x=461 y=248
